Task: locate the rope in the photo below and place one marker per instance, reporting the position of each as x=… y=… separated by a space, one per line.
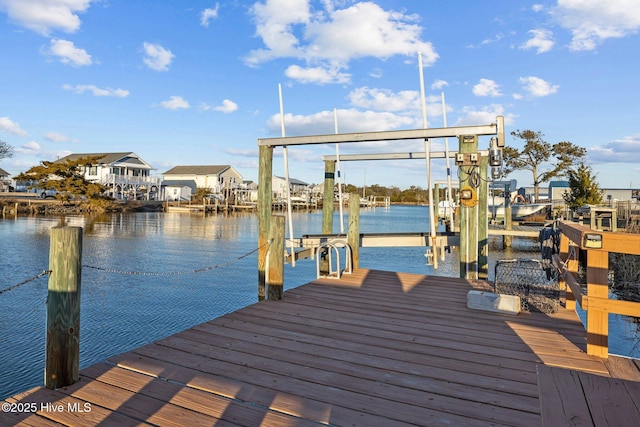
x=177 y=273
x=145 y=273
x=44 y=273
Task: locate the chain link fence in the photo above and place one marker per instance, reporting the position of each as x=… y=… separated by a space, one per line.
x=536 y=286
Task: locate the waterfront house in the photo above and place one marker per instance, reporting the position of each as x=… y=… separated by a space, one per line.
x=125 y=174
x=178 y=190
x=217 y=178
x=4 y=180
x=297 y=188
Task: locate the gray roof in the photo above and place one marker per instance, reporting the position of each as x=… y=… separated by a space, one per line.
x=180 y=183
x=197 y=170
x=109 y=158
x=293 y=181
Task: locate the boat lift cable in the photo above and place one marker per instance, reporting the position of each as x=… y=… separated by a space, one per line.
x=448 y=160
x=427 y=155
x=335 y=120
x=286 y=181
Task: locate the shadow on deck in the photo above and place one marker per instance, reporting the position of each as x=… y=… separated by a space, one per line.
x=377 y=348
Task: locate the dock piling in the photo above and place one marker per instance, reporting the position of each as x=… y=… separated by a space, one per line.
x=63 y=308
x=275 y=259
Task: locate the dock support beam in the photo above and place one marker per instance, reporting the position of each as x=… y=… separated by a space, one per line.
x=265 y=200
x=469 y=214
x=507 y=240
x=63 y=308
x=483 y=220
x=327 y=201
x=275 y=259
x=353 y=235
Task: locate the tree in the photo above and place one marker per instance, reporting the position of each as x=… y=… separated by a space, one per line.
x=583 y=187
x=6 y=150
x=536 y=153
x=202 y=193
x=67 y=178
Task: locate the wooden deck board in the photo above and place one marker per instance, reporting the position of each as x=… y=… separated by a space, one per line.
x=375 y=348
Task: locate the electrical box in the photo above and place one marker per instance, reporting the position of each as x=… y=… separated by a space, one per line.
x=473 y=157
x=468 y=159
x=459 y=158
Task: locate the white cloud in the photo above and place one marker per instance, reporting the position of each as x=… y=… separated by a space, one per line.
x=45 y=16
x=318 y=75
x=56 y=137
x=487 y=87
x=330 y=38
x=487 y=114
x=96 y=91
x=227 y=106
x=439 y=84
x=349 y=120
x=625 y=150
x=593 y=21
x=541 y=40
x=30 y=147
x=68 y=53
x=209 y=14
x=385 y=100
x=537 y=8
x=175 y=103
x=537 y=87
x=157 y=57
x=8 y=125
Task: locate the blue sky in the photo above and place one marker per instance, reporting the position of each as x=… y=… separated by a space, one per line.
x=196 y=82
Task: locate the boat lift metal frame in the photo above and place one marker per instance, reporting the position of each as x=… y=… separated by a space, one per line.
x=266 y=146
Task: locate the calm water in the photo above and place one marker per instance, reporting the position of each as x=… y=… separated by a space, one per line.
x=121 y=311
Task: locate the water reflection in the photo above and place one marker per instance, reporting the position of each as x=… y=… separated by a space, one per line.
x=121 y=311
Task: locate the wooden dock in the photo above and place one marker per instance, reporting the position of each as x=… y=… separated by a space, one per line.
x=372 y=349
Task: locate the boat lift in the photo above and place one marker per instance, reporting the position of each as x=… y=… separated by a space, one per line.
x=468 y=157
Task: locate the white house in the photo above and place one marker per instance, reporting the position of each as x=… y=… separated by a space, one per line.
x=296 y=187
x=4 y=180
x=178 y=190
x=125 y=174
x=217 y=178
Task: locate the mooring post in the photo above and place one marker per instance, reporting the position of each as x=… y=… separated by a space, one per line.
x=275 y=257
x=327 y=201
x=436 y=203
x=469 y=182
x=62 y=359
x=483 y=220
x=571 y=266
x=353 y=233
x=265 y=167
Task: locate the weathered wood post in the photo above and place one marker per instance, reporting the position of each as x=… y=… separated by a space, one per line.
x=598 y=287
x=265 y=167
x=436 y=203
x=468 y=210
x=327 y=201
x=63 y=308
x=507 y=240
x=353 y=233
x=275 y=259
x=483 y=220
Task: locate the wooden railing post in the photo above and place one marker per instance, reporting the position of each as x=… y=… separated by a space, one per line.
x=62 y=359
x=597 y=287
x=353 y=233
x=275 y=257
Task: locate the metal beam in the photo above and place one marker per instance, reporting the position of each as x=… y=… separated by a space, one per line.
x=391 y=135
x=393 y=156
